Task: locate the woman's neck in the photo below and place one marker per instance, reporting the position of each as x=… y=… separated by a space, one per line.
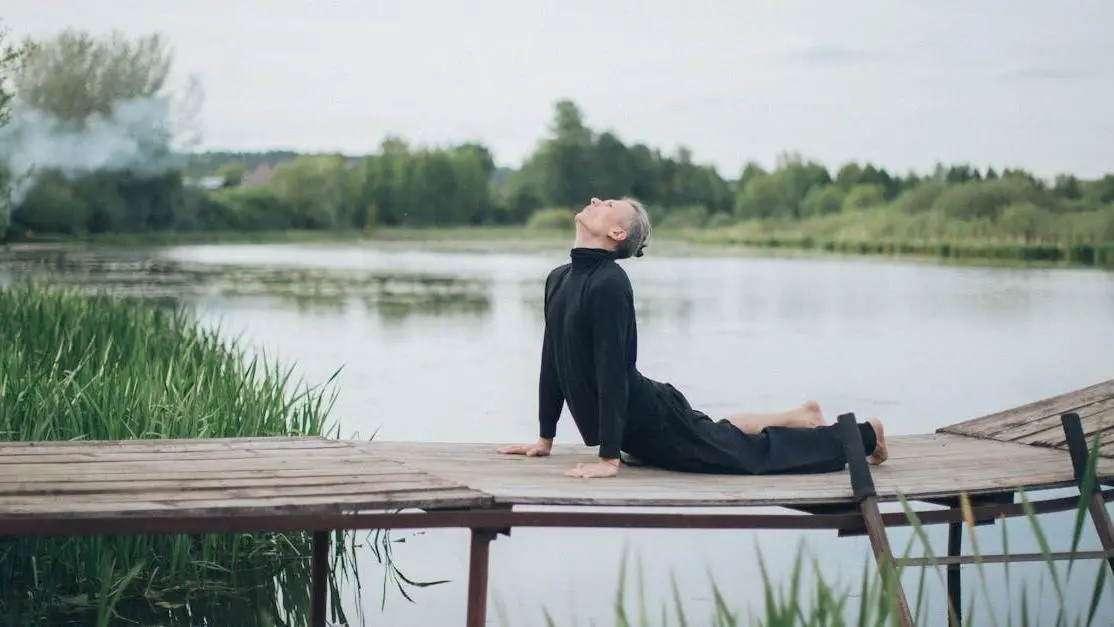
x=587 y=241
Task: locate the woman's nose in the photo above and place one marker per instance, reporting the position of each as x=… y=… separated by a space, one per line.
x=595 y=201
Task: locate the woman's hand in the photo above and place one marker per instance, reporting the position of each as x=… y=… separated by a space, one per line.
x=602 y=468
x=541 y=449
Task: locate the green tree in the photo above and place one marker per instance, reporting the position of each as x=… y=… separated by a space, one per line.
x=567 y=157
x=780 y=194
x=233 y=171
x=320 y=191
x=864 y=196
x=101 y=114
x=822 y=200
x=1100 y=191
x=10 y=58
x=986 y=199
x=614 y=173
x=1025 y=220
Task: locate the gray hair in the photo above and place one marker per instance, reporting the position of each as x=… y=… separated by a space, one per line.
x=638 y=231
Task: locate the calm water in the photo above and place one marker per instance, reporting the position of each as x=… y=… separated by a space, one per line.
x=443 y=346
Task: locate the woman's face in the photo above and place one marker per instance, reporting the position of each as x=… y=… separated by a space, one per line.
x=606 y=218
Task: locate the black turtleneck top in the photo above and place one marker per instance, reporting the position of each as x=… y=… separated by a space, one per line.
x=589 y=349
x=588 y=361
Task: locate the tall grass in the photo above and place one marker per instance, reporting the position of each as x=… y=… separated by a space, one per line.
x=78 y=366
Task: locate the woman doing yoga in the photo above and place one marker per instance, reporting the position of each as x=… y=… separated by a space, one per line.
x=588 y=361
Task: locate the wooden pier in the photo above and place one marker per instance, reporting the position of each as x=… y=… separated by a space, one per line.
x=319 y=485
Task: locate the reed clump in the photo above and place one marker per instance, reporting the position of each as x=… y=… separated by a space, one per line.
x=94 y=366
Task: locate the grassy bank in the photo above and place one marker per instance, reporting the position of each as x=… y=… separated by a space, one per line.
x=97 y=367
x=1078 y=239
x=1079 y=254
x=810 y=237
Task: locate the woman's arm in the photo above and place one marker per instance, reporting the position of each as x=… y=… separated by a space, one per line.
x=550 y=397
x=612 y=311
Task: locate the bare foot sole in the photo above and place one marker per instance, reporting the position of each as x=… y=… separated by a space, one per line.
x=881 y=452
x=813 y=417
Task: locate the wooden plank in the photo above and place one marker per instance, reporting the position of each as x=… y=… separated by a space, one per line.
x=1107 y=448
x=145 y=484
x=1093 y=423
x=274 y=506
x=56 y=447
x=207 y=473
x=1051 y=422
x=992 y=424
x=228 y=477
x=411 y=483
x=86 y=457
x=189 y=443
x=263 y=463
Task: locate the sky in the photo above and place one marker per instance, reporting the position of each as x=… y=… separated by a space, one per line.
x=900 y=83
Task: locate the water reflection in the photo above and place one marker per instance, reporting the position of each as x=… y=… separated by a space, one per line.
x=394 y=295
x=444 y=347
x=270 y=587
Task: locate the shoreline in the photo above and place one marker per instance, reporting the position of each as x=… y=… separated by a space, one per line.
x=671 y=242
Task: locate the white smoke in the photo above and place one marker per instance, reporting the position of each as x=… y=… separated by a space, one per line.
x=136 y=135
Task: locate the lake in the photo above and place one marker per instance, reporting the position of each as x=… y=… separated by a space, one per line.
x=442 y=345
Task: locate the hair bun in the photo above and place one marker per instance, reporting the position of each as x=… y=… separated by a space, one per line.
x=638 y=253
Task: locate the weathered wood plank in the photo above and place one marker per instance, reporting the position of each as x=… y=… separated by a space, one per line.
x=1051 y=422
x=85 y=457
x=146 y=484
x=262 y=463
x=991 y=425
x=377 y=468
x=199 y=444
x=275 y=506
x=287 y=477
x=410 y=483
x=1093 y=423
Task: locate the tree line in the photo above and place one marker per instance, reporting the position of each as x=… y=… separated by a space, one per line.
x=76 y=89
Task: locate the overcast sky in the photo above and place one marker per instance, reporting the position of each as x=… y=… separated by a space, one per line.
x=902 y=83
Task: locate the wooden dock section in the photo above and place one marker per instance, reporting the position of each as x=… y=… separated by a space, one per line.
x=1038 y=423
x=319 y=485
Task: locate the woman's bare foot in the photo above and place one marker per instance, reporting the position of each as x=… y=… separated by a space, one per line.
x=811 y=415
x=881 y=453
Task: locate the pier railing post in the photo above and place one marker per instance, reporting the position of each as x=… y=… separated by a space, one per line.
x=862 y=486
x=1086 y=480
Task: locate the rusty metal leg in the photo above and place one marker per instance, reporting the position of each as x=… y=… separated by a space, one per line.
x=1080 y=460
x=477 y=576
x=320 y=578
x=955 y=547
x=862 y=485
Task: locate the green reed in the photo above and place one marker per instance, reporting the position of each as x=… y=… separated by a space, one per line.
x=81 y=366
x=807 y=599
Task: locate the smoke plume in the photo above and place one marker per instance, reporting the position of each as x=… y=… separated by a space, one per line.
x=136 y=136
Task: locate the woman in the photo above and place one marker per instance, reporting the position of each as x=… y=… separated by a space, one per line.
x=589 y=354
